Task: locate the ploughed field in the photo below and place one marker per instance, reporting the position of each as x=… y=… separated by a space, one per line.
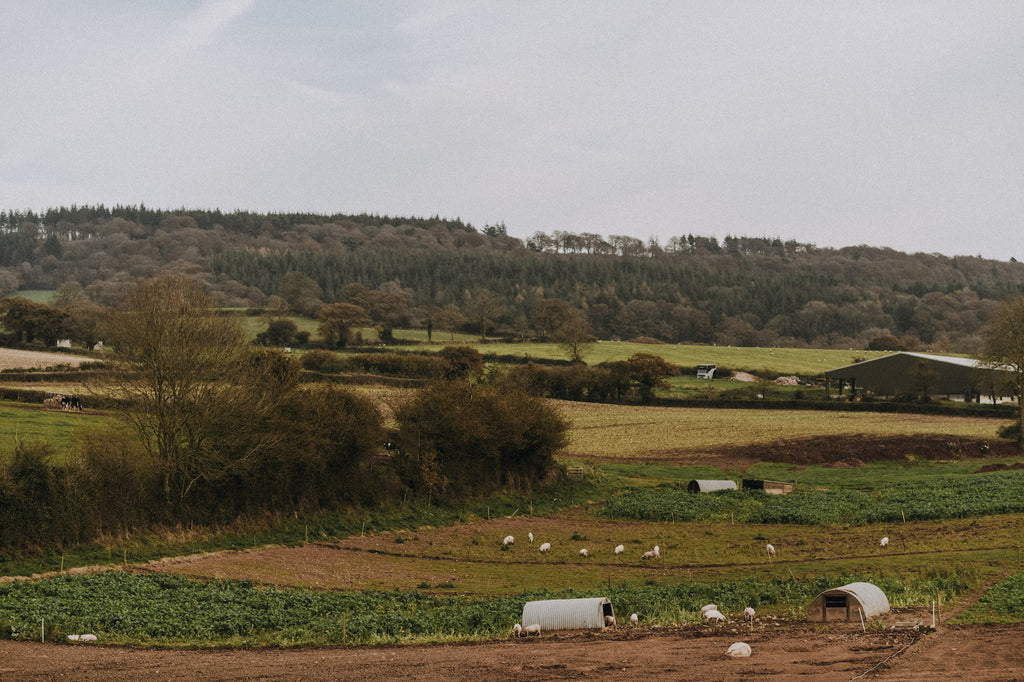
x=26 y=359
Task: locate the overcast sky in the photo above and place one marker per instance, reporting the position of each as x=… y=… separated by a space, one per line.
x=888 y=123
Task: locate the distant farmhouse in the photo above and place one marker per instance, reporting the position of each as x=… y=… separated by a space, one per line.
x=921 y=374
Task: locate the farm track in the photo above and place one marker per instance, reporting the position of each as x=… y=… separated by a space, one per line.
x=921 y=657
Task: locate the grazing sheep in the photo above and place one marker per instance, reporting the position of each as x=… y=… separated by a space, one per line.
x=545 y=547
x=714 y=614
x=509 y=540
x=708 y=607
x=517 y=630
x=530 y=535
x=531 y=630
x=583 y=552
x=885 y=541
x=619 y=549
x=609 y=621
x=738 y=650
x=653 y=554
x=749 y=613
x=634 y=620
x=770 y=548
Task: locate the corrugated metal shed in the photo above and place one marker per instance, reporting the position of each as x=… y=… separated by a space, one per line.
x=913 y=373
x=848 y=603
x=709 y=486
x=568 y=614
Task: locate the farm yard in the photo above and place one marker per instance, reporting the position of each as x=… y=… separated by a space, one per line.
x=437 y=597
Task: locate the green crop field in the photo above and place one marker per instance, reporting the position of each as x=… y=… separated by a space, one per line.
x=161 y=609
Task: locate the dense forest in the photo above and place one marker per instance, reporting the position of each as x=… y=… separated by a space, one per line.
x=446 y=273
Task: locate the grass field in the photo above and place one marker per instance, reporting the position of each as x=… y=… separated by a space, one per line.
x=37 y=295
x=629 y=433
x=801 y=361
x=18 y=424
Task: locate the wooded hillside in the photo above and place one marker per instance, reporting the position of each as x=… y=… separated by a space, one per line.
x=691 y=289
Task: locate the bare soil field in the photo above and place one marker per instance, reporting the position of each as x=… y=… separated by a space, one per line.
x=29 y=359
x=786 y=651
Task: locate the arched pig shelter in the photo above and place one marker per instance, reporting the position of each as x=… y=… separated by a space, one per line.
x=568 y=614
x=709 y=486
x=848 y=603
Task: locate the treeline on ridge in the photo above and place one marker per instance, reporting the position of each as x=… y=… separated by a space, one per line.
x=691 y=289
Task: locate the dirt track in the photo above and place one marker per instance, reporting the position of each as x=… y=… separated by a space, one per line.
x=799 y=651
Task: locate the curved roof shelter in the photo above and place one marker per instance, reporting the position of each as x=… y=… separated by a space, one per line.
x=568 y=614
x=848 y=603
x=922 y=373
x=709 y=486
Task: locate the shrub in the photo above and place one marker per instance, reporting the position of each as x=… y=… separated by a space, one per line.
x=321 y=361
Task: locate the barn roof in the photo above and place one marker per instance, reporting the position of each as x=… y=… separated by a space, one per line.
x=927 y=357
x=900 y=373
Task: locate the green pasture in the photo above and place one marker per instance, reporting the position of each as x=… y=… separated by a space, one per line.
x=800 y=361
x=797 y=361
x=37 y=295
x=19 y=423
x=255 y=324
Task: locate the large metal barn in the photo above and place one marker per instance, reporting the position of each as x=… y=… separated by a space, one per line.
x=922 y=374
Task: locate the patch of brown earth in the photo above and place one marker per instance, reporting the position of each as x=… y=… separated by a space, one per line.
x=857 y=450
x=797 y=651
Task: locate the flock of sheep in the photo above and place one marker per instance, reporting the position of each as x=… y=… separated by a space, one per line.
x=709 y=612
x=545 y=547
x=655 y=553
x=66 y=403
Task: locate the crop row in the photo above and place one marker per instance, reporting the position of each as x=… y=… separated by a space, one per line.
x=947 y=498
x=168 y=610
x=1004 y=603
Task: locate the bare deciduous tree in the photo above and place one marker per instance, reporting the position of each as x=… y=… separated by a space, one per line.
x=1004 y=347
x=197 y=394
